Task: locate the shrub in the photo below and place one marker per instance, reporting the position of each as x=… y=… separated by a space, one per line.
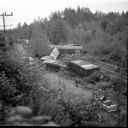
x=21 y=116
x=95 y=76
x=15 y=82
x=57 y=32
x=106 y=77
x=80 y=113
x=40 y=47
x=39 y=41
x=118 y=83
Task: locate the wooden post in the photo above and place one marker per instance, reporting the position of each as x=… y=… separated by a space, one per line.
x=4 y=25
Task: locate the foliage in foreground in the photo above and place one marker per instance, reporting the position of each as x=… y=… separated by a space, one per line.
x=15 y=83
x=22 y=116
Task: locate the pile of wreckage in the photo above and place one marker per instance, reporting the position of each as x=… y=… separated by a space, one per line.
x=78 y=66
x=108 y=104
x=52 y=61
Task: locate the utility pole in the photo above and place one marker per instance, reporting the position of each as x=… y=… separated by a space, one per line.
x=3 y=16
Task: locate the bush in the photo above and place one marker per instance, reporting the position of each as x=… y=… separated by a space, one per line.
x=15 y=82
x=94 y=77
x=106 y=77
x=118 y=83
x=22 y=116
x=39 y=41
x=40 y=47
x=81 y=113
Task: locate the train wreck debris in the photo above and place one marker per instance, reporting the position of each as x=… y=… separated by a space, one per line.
x=53 y=55
x=79 y=66
x=68 y=49
x=109 y=105
x=82 y=68
x=54 y=64
x=58 y=50
x=46 y=58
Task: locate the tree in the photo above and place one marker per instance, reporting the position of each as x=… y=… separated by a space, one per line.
x=57 y=32
x=19 y=25
x=70 y=16
x=39 y=41
x=55 y=16
x=104 y=24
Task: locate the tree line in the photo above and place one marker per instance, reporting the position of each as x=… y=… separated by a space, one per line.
x=104 y=33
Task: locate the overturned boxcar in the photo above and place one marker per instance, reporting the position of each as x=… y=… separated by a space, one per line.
x=55 y=65
x=82 y=68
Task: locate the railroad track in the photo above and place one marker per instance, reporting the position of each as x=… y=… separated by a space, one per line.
x=105 y=67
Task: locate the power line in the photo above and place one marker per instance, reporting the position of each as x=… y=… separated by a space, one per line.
x=3 y=17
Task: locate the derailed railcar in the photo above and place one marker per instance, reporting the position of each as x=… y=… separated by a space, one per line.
x=82 y=68
x=68 y=49
x=55 y=65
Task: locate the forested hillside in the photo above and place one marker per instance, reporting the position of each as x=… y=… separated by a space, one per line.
x=104 y=35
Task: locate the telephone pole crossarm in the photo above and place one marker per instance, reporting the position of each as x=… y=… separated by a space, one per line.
x=3 y=16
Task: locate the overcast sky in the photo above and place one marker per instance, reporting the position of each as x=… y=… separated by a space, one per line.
x=27 y=10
